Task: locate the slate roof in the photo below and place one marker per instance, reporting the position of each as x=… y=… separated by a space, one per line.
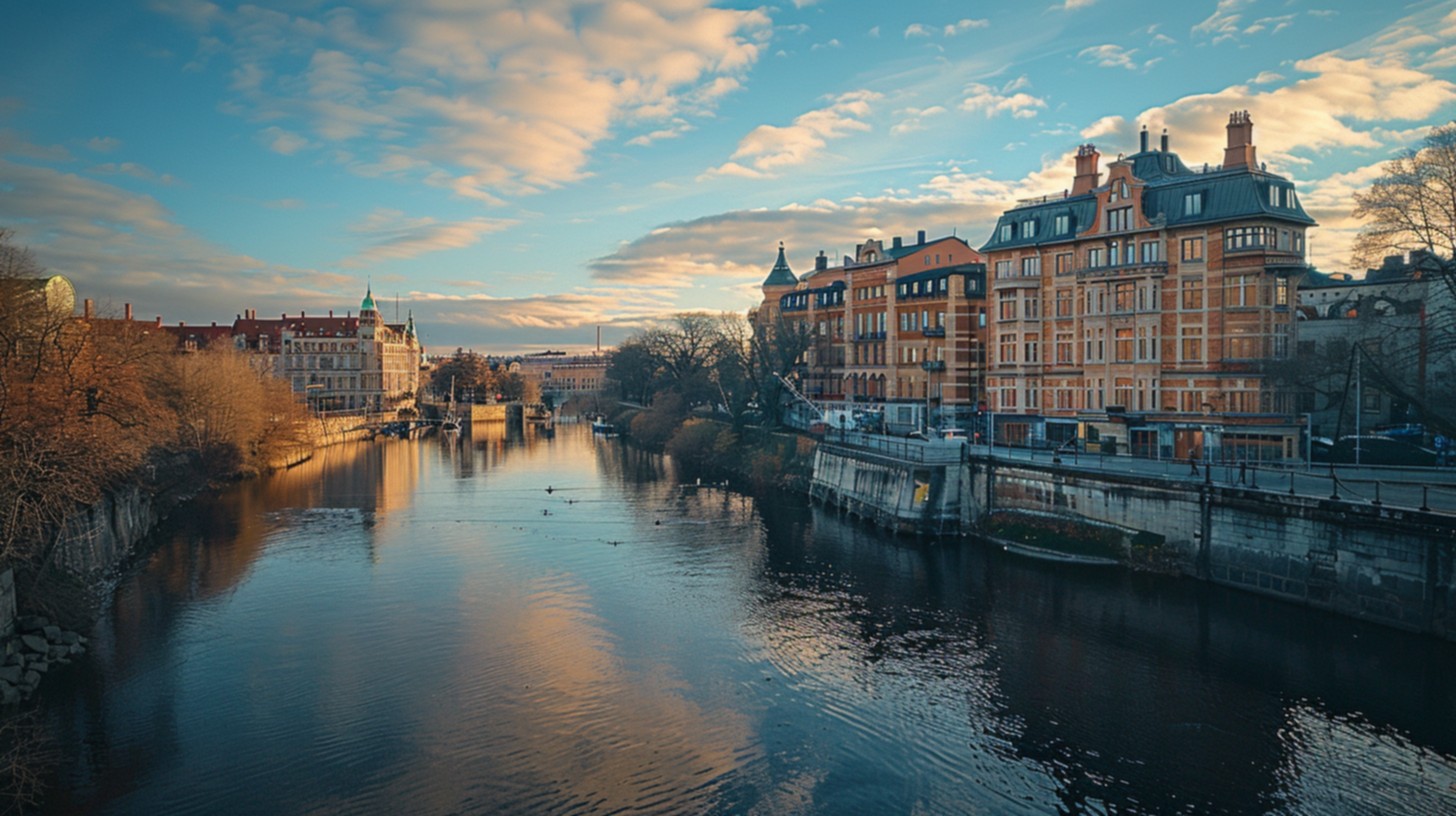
x=780 y=275
x=1227 y=195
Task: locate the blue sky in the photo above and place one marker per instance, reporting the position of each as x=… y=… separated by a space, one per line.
x=520 y=173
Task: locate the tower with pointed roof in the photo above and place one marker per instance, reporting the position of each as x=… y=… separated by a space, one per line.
x=780 y=280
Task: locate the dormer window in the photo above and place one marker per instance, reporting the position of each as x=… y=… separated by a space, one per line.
x=1028 y=229
x=1193 y=204
x=1005 y=233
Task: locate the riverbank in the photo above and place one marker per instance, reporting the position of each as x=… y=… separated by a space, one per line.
x=760 y=458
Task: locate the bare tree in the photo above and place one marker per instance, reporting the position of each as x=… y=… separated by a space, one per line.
x=1412 y=206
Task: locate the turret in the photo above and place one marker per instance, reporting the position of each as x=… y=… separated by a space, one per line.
x=780 y=275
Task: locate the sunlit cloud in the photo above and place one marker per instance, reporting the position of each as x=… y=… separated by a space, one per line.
x=396 y=237
x=486 y=99
x=770 y=148
x=1006 y=99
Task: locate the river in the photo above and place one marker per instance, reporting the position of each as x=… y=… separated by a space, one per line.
x=522 y=625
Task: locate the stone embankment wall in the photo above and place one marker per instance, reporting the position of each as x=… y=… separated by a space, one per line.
x=1381 y=564
x=898 y=494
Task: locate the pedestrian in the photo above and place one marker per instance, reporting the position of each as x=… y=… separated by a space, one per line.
x=1192 y=466
x=1243 y=471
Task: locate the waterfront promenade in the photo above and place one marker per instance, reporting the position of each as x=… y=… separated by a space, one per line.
x=1411 y=488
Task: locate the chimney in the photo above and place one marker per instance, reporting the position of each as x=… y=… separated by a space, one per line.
x=87 y=308
x=127 y=311
x=181 y=324
x=1143 y=140
x=1240 y=150
x=821 y=263
x=214 y=324
x=920 y=237
x=896 y=243
x=302 y=314
x=1165 y=140
x=1087 y=176
x=331 y=313
x=159 y=321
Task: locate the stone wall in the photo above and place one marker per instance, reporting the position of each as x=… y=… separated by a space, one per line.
x=1385 y=565
x=911 y=497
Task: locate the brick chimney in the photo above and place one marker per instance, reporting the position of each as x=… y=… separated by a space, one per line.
x=127 y=311
x=1087 y=175
x=88 y=309
x=821 y=262
x=1240 y=150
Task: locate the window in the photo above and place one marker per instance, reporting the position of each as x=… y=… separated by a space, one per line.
x=1062 y=225
x=1031 y=306
x=1064 y=302
x=1192 y=350
x=1008 y=349
x=1004 y=234
x=1064 y=348
x=1242 y=290
x=1237 y=238
x=1299 y=242
x=1281 y=292
x=1152 y=251
x=1030 y=349
x=1094 y=257
x=1192 y=249
x=1028 y=229
x=1031 y=266
x=1192 y=294
x=1003 y=269
x=1119 y=219
x=1122 y=346
x=1273 y=196
x=1064 y=263
x=1147 y=344
x=1008 y=307
x=1122 y=297
x=1193 y=204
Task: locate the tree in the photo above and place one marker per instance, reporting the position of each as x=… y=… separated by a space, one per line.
x=75 y=414
x=777 y=347
x=634 y=369
x=1411 y=209
x=1412 y=206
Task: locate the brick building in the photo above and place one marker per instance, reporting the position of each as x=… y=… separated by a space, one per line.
x=899 y=327
x=1137 y=312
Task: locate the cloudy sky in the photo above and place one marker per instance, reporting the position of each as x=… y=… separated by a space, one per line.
x=520 y=172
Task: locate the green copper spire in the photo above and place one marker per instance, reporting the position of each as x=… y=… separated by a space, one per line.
x=368 y=304
x=781 y=275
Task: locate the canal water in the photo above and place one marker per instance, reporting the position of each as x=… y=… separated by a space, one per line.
x=522 y=625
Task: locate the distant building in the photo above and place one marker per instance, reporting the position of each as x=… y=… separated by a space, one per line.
x=1401 y=314
x=352 y=363
x=1139 y=312
x=561 y=376
x=899 y=329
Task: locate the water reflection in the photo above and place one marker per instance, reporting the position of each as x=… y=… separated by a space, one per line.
x=522 y=624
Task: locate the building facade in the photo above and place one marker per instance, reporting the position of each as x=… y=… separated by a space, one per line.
x=352 y=363
x=560 y=376
x=1138 y=313
x=898 y=327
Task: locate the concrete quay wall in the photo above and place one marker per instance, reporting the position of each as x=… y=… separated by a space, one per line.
x=1386 y=565
x=904 y=496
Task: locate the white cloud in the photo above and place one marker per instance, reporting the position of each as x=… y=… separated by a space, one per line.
x=1073 y=5
x=1267 y=78
x=1006 y=99
x=833 y=43
x=964 y=25
x=282 y=141
x=1110 y=56
x=914 y=118
x=393 y=236
x=103 y=144
x=917 y=30
x=770 y=148
x=488 y=98
x=1223 y=23
x=134 y=170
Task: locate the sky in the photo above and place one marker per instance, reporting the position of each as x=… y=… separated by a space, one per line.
x=518 y=174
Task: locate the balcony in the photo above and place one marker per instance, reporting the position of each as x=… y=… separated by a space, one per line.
x=866 y=337
x=933 y=331
x=1141 y=269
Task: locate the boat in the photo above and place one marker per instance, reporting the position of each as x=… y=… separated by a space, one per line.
x=603 y=427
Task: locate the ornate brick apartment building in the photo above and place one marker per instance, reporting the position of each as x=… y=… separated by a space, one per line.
x=900 y=327
x=1138 y=311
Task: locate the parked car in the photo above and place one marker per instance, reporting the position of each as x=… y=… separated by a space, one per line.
x=1381 y=450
